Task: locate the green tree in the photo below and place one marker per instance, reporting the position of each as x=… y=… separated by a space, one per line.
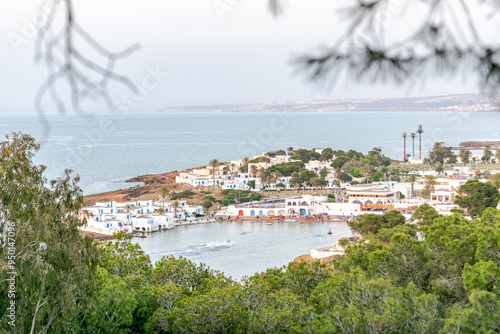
x=475 y=196
x=323 y=173
x=176 y=205
x=440 y=169
x=306 y=175
x=331 y=198
x=344 y=177
x=464 y=155
x=315 y=182
x=114 y=307
x=326 y=154
x=495 y=179
x=440 y=154
x=50 y=264
x=163 y=193
x=425 y=215
x=214 y=165
x=124 y=259
x=253 y=170
x=429 y=187
x=355 y=303
x=413 y=179
x=218 y=311
x=339 y=161
x=251 y=184
x=373 y=223
x=487 y=154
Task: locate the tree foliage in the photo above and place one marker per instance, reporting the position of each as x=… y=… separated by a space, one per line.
x=475 y=196
x=373 y=223
x=389 y=282
x=51 y=265
x=425 y=215
x=440 y=154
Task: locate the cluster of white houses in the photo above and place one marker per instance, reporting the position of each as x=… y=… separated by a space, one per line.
x=230 y=177
x=140 y=216
x=362 y=198
x=149 y=216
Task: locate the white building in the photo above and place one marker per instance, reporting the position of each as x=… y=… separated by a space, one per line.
x=143 y=216
x=372 y=194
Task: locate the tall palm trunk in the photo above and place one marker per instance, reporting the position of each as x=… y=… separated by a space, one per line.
x=404 y=158
x=420 y=145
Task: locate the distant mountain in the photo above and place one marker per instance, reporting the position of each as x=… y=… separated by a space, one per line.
x=462 y=102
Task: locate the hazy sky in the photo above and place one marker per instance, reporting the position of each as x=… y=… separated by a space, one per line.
x=241 y=55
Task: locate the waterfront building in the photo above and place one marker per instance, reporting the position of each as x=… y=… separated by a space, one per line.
x=372 y=194
x=143 y=216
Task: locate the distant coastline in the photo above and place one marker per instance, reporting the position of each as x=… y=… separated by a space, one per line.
x=452 y=103
x=442 y=103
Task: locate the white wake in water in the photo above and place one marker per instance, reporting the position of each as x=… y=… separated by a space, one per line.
x=212 y=246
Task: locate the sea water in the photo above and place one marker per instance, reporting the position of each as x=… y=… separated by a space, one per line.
x=241 y=249
x=107 y=150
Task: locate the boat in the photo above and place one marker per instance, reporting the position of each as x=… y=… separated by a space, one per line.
x=269 y=224
x=329 y=231
x=291 y=220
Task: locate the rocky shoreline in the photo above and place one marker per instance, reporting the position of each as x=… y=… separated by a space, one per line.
x=480 y=145
x=151 y=186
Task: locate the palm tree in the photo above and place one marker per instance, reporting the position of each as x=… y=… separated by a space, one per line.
x=175 y=206
x=163 y=193
x=487 y=154
x=232 y=169
x=253 y=170
x=413 y=135
x=404 y=137
x=430 y=183
x=290 y=150
x=420 y=131
x=276 y=176
x=497 y=155
x=413 y=178
x=213 y=167
x=366 y=172
x=264 y=175
x=161 y=211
